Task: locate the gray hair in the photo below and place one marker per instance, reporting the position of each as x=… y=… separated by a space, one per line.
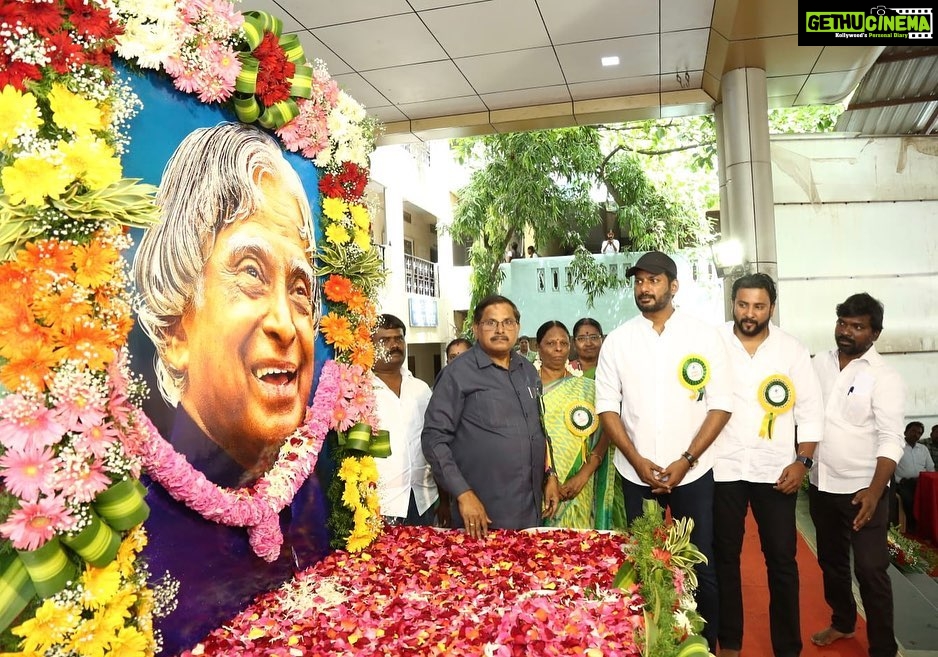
x=212 y=180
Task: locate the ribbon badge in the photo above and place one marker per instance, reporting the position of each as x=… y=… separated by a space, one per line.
x=694 y=375
x=580 y=419
x=776 y=396
x=273 y=73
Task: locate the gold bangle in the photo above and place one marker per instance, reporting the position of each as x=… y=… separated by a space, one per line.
x=592 y=454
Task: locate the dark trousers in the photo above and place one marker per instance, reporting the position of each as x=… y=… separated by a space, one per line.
x=905 y=491
x=775 y=517
x=833 y=515
x=694 y=500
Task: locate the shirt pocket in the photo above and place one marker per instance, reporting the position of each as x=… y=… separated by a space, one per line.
x=494 y=409
x=857 y=408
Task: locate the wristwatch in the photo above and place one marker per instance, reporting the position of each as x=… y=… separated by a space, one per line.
x=806 y=461
x=690 y=458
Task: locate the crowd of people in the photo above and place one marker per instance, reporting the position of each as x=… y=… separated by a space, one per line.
x=576 y=429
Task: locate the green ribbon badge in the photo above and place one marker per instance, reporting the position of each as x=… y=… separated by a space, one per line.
x=360 y=438
x=248 y=107
x=694 y=375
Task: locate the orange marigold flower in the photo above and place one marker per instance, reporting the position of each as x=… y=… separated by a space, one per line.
x=337 y=288
x=364 y=355
x=50 y=255
x=64 y=307
x=16 y=280
x=88 y=343
x=94 y=263
x=31 y=366
x=337 y=331
x=358 y=303
x=19 y=329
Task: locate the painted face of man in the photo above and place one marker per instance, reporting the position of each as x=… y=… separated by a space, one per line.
x=854 y=335
x=752 y=310
x=246 y=343
x=653 y=292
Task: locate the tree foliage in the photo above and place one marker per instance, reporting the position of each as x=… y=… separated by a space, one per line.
x=658 y=176
x=557 y=184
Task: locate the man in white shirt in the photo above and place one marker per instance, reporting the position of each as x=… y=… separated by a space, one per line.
x=915 y=459
x=406 y=487
x=864 y=406
x=611 y=245
x=758 y=463
x=664 y=392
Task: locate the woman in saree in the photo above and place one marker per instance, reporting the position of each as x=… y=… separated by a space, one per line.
x=587 y=339
x=570 y=420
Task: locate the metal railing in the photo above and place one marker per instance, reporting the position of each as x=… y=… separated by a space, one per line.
x=420 y=276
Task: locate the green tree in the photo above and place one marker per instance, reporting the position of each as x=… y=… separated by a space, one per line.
x=547 y=182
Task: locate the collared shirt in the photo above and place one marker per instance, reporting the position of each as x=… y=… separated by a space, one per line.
x=483 y=432
x=639 y=377
x=610 y=247
x=406 y=469
x=864 y=406
x=740 y=453
x=914 y=460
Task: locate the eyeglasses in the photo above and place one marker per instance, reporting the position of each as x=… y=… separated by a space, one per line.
x=556 y=344
x=492 y=324
x=592 y=337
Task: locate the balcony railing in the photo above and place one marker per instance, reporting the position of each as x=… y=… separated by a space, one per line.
x=420 y=276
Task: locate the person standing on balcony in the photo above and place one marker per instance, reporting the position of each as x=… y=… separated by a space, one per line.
x=864 y=410
x=759 y=465
x=483 y=434
x=405 y=482
x=663 y=394
x=611 y=245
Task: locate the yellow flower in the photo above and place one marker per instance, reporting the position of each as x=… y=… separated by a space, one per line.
x=91 y=160
x=89 y=639
x=101 y=585
x=362 y=240
x=334 y=208
x=53 y=620
x=337 y=234
x=360 y=216
x=368 y=469
x=129 y=643
x=32 y=178
x=73 y=112
x=18 y=114
x=357 y=543
x=349 y=470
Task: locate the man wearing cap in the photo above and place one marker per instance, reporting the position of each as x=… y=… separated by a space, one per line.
x=663 y=394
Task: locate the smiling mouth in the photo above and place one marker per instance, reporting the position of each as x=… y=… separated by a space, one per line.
x=275 y=376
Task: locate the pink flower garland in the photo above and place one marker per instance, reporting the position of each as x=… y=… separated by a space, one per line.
x=255 y=507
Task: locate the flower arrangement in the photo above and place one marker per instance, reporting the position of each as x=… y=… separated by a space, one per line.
x=71 y=428
x=568 y=366
x=553 y=592
x=660 y=561
x=910 y=556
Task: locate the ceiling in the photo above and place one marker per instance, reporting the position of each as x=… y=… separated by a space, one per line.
x=432 y=69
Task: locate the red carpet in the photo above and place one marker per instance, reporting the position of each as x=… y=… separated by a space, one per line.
x=815 y=614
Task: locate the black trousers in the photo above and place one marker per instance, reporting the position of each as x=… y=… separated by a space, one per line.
x=775 y=516
x=696 y=501
x=833 y=515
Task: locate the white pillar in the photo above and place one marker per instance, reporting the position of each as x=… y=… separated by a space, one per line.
x=747 y=211
x=394 y=256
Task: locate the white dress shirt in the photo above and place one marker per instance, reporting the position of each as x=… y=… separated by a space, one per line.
x=638 y=377
x=740 y=453
x=610 y=246
x=914 y=460
x=406 y=469
x=864 y=411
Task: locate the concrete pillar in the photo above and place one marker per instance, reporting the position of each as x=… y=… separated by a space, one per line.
x=747 y=212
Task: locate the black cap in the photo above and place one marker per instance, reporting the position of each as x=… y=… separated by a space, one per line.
x=654 y=262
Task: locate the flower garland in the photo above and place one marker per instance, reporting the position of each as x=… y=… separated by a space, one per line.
x=568 y=366
x=360 y=493
x=63 y=117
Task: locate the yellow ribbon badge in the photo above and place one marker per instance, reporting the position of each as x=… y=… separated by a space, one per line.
x=776 y=396
x=694 y=375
